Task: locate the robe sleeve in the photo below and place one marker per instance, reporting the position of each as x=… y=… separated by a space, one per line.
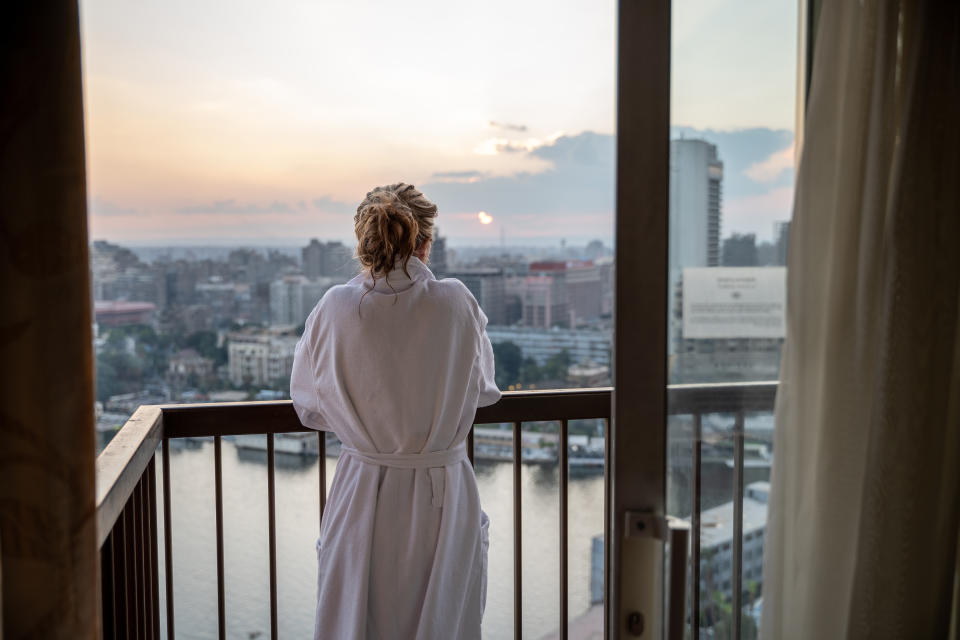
x=489 y=393
x=303 y=383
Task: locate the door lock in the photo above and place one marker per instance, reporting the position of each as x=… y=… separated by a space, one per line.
x=635 y=624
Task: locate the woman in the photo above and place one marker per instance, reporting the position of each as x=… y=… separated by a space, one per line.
x=395 y=363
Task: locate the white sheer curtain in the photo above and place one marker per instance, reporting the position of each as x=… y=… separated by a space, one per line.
x=863 y=531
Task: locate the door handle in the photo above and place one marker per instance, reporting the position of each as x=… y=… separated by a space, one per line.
x=645 y=537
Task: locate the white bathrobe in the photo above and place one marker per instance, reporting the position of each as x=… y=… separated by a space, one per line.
x=403 y=545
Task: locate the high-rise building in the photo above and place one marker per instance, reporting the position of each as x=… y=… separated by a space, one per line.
x=312 y=258
x=740 y=250
x=327 y=260
x=438 y=256
x=488 y=287
x=584 y=290
x=696 y=177
x=545 y=302
x=605 y=268
x=563 y=293
x=293 y=297
x=782 y=234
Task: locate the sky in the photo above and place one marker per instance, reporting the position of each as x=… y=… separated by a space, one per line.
x=253 y=122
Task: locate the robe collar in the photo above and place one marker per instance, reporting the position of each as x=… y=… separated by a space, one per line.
x=397 y=278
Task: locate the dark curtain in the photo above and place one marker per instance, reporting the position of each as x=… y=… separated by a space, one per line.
x=47 y=514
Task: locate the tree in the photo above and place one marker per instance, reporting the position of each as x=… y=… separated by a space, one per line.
x=529 y=371
x=508 y=359
x=205 y=343
x=117 y=372
x=555 y=368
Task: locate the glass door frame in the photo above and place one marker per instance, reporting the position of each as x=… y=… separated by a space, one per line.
x=635 y=478
x=636 y=475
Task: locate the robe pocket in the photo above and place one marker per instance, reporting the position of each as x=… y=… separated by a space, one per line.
x=484 y=548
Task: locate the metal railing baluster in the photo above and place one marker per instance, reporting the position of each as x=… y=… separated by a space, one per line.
x=737 y=581
x=119 y=580
x=517 y=537
x=322 y=452
x=129 y=570
x=607 y=568
x=562 y=463
x=696 y=507
x=154 y=566
x=106 y=587
x=147 y=617
x=134 y=505
x=218 y=490
x=470 y=446
x=272 y=528
x=143 y=623
x=167 y=538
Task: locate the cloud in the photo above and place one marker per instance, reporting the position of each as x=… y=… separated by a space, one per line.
x=457 y=175
x=574 y=195
x=231 y=206
x=508 y=127
x=331 y=205
x=757 y=213
x=100 y=207
x=769 y=169
x=579 y=179
x=496 y=146
x=740 y=149
x=324 y=204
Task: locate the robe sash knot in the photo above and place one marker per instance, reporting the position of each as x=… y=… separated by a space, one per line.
x=433 y=461
x=428 y=460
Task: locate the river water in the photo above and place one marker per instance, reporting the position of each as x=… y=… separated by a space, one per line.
x=246 y=556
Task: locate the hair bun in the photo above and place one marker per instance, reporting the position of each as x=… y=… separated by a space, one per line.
x=390 y=224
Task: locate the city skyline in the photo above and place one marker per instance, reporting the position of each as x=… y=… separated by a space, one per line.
x=269 y=124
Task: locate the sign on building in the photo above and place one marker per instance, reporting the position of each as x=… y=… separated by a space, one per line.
x=734 y=302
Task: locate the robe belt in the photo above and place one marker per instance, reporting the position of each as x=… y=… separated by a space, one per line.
x=433 y=461
x=412 y=460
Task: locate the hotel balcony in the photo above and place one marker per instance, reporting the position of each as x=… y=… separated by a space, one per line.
x=137 y=522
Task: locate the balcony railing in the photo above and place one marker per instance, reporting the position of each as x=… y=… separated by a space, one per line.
x=698 y=400
x=127 y=510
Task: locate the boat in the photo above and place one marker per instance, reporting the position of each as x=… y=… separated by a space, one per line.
x=585 y=459
x=297 y=444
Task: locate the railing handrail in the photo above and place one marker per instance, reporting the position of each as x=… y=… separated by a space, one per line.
x=121 y=464
x=278 y=416
x=721 y=397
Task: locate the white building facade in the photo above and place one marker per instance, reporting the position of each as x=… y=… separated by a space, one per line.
x=583 y=345
x=259 y=359
x=696 y=177
x=292 y=298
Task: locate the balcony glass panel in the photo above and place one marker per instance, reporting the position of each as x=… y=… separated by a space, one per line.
x=228 y=147
x=733 y=83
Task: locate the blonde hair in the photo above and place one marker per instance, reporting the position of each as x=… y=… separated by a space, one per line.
x=391 y=223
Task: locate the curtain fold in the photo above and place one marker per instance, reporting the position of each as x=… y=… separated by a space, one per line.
x=50 y=561
x=863 y=527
